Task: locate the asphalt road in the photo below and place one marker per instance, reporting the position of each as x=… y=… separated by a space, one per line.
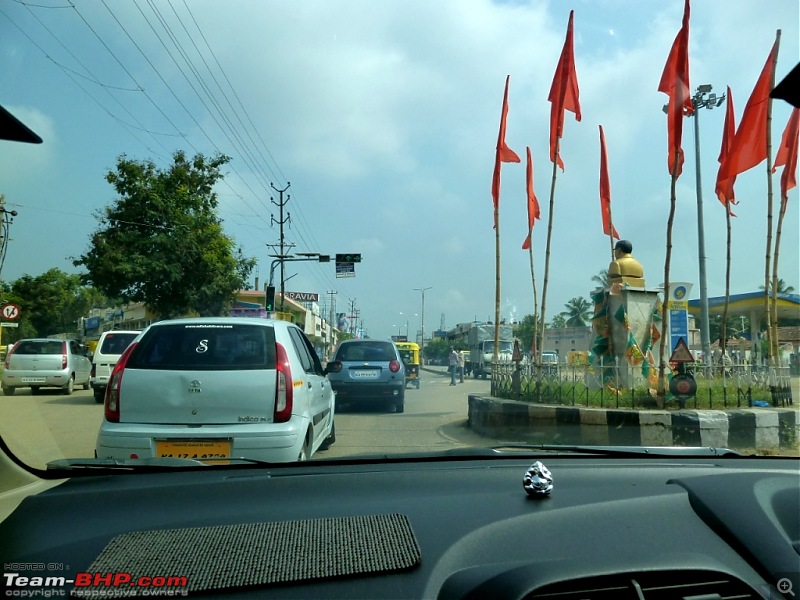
x=51 y=425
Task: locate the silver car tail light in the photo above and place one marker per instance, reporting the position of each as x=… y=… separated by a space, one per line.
x=111 y=404
x=63 y=355
x=284 y=388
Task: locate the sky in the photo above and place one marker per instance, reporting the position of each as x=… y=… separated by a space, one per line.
x=384 y=117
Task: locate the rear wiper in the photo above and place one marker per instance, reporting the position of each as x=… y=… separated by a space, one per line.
x=635 y=451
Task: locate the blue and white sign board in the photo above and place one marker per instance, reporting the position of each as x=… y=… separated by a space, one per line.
x=678 y=307
x=345 y=270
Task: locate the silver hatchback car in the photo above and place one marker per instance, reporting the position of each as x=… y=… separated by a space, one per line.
x=368 y=370
x=218 y=388
x=45 y=362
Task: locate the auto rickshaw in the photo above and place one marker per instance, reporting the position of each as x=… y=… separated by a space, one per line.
x=409 y=352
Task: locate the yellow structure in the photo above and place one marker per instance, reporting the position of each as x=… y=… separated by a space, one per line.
x=624 y=268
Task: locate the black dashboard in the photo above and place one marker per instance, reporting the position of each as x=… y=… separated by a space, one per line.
x=451 y=528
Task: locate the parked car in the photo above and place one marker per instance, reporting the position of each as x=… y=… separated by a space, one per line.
x=109 y=348
x=217 y=388
x=46 y=363
x=369 y=370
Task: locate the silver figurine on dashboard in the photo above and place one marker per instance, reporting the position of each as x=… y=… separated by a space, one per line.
x=538 y=481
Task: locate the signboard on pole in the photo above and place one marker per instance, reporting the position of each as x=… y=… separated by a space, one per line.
x=345 y=270
x=678 y=310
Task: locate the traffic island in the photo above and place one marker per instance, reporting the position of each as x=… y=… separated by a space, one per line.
x=762 y=429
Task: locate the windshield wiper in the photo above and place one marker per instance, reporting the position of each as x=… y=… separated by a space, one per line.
x=148 y=464
x=81 y=464
x=634 y=451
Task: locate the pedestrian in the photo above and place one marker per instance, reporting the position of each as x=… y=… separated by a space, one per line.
x=453 y=365
x=460 y=367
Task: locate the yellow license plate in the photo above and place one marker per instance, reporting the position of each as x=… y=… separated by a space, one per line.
x=194 y=449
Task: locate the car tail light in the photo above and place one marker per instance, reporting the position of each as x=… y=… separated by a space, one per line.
x=10 y=352
x=63 y=355
x=394 y=366
x=335 y=367
x=93 y=372
x=111 y=403
x=284 y=387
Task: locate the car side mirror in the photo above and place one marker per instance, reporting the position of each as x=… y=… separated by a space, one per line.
x=333 y=367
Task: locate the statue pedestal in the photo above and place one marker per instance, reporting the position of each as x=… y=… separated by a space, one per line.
x=630 y=321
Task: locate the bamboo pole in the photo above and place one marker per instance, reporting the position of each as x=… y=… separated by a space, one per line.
x=540 y=345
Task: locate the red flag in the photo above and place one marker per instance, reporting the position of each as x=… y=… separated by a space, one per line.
x=675 y=83
x=749 y=146
x=605 y=189
x=724 y=188
x=504 y=153
x=787 y=156
x=563 y=93
x=533 y=203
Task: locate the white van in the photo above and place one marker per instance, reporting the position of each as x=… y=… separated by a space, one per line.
x=109 y=348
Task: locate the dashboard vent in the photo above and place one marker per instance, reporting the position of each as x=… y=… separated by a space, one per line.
x=650 y=585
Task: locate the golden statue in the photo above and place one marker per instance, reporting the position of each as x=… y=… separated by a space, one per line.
x=624 y=268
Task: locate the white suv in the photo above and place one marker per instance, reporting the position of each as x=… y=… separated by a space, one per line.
x=216 y=388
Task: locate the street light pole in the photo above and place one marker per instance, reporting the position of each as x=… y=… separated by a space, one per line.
x=700 y=100
x=422 y=323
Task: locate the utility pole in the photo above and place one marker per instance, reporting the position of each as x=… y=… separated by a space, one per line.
x=281 y=221
x=422 y=324
x=331 y=322
x=703 y=98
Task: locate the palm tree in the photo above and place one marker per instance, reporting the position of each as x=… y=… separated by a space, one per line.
x=601 y=279
x=579 y=311
x=782 y=287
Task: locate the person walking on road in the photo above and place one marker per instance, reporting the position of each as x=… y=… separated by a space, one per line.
x=453 y=365
x=460 y=367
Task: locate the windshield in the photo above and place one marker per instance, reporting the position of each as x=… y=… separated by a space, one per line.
x=589 y=184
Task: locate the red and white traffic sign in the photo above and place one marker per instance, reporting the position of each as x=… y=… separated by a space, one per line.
x=10 y=311
x=681 y=353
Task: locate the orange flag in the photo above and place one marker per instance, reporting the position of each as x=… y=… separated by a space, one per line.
x=563 y=93
x=724 y=188
x=504 y=153
x=605 y=189
x=749 y=146
x=675 y=83
x=787 y=156
x=533 y=203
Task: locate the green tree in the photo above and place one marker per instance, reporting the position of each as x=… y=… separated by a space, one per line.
x=579 y=311
x=51 y=303
x=161 y=242
x=601 y=279
x=437 y=349
x=523 y=331
x=559 y=321
x=782 y=287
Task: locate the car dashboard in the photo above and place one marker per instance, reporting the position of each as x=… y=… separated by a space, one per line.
x=436 y=527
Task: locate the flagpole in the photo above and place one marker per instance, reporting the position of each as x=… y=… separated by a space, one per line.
x=662 y=387
x=495 y=355
x=547 y=247
x=773 y=313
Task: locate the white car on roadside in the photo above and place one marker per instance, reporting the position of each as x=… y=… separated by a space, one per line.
x=218 y=388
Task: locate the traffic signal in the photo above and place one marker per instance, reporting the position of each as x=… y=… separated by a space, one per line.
x=348 y=258
x=270 y=306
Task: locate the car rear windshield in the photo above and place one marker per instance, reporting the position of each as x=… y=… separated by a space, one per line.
x=217 y=347
x=115 y=343
x=377 y=351
x=40 y=347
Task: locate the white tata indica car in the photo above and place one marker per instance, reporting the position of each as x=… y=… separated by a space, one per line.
x=219 y=388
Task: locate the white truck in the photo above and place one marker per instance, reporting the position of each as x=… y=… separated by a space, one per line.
x=478 y=339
